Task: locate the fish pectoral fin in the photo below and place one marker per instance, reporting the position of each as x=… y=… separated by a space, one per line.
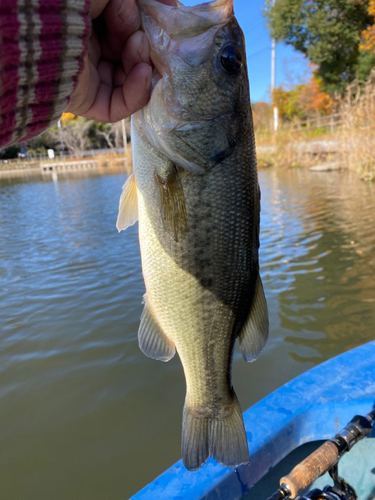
x=254 y=334
x=173 y=206
x=153 y=342
x=128 y=206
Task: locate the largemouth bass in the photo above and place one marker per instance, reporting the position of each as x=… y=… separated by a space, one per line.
x=195 y=192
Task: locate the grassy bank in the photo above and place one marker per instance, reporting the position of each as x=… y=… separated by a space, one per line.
x=351 y=143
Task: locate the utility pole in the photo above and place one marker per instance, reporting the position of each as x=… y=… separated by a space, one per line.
x=273 y=81
x=61 y=137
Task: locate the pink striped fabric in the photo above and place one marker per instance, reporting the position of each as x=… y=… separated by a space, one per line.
x=42 y=46
x=9 y=57
x=51 y=45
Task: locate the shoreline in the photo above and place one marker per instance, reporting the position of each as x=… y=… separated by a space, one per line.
x=102 y=164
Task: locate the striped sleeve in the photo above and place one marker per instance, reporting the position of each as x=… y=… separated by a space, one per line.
x=42 y=44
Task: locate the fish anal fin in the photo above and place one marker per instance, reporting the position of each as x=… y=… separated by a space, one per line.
x=254 y=334
x=172 y=202
x=153 y=342
x=128 y=206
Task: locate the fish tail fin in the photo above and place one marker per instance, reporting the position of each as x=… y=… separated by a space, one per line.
x=223 y=436
x=195 y=439
x=228 y=438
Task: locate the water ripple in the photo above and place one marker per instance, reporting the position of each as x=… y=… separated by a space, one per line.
x=79 y=401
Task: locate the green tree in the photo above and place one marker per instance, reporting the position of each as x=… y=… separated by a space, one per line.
x=9 y=153
x=328 y=33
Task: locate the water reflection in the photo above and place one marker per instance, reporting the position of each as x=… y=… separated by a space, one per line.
x=83 y=413
x=325 y=260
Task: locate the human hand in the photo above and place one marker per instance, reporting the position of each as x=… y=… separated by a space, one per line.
x=116 y=77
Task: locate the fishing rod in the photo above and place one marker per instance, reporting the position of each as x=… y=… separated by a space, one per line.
x=325 y=459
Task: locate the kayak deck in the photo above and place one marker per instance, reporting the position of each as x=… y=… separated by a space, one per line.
x=314 y=406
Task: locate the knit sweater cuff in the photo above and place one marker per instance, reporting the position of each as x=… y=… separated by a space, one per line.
x=42 y=44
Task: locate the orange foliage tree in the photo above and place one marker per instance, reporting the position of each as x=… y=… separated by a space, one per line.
x=281 y=98
x=262 y=115
x=314 y=100
x=302 y=102
x=68 y=117
x=368 y=36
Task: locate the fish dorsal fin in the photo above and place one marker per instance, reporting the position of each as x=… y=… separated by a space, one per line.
x=254 y=334
x=172 y=204
x=128 y=206
x=153 y=342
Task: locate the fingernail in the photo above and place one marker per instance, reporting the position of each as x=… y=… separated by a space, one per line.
x=126 y=14
x=120 y=11
x=143 y=51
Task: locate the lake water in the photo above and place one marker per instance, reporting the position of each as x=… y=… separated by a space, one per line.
x=84 y=415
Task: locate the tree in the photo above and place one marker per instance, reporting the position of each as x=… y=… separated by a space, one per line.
x=104 y=135
x=41 y=143
x=262 y=115
x=287 y=102
x=313 y=100
x=368 y=42
x=101 y=135
x=328 y=32
x=367 y=46
x=9 y=152
x=74 y=134
x=303 y=102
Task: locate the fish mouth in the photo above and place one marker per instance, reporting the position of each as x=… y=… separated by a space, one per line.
x=181 y=21
x=182 y=39
x=167 y=27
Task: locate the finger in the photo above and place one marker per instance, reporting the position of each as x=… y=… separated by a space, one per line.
x=97 y=7
x=121 y=14
x=94 y=48
x=172 y=3
x=83 y=95
x=119 y=77
x=136 y=50
x=122 y=19
x=110 y=105
x=106 y=71
x=134 y=94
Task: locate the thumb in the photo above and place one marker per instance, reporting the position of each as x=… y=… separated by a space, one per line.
x=97 y=7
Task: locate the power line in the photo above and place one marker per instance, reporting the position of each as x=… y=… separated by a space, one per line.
x=254 y=28
x=258 y=52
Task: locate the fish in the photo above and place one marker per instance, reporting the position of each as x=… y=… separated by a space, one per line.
x=195 y=192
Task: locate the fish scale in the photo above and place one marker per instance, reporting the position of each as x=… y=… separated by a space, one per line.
x=195 y=192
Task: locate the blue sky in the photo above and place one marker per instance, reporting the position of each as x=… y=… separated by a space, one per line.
x=291 y=66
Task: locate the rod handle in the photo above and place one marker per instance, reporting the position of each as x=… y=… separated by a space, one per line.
x=316 y=464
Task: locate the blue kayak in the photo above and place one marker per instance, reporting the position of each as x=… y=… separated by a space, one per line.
x=312 y=407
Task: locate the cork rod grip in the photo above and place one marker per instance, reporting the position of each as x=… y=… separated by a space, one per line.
x=311 y=468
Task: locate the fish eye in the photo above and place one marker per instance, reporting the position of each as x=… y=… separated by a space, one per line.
x=231 y=59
